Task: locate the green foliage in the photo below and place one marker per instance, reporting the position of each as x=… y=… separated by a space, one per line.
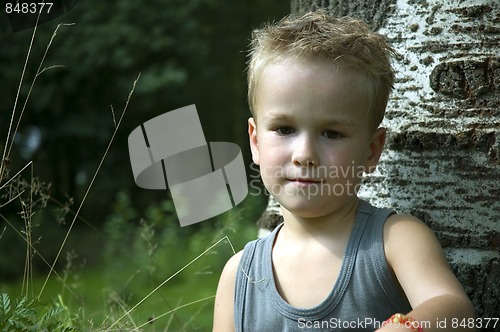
x=30 y=315
x=154 y=274
x=159 y=252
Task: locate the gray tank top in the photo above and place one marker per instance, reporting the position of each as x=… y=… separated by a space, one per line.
x=363 y=296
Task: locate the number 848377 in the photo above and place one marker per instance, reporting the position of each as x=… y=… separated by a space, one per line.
x=28 y=7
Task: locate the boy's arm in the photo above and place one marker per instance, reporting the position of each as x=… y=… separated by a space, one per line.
x=415 y=255
x=224 y=298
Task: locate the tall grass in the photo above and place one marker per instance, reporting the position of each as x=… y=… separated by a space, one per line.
x=154 y=275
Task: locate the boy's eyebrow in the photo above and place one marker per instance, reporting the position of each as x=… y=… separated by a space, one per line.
x=276 y=116
x=340 y=122
x=331 y=122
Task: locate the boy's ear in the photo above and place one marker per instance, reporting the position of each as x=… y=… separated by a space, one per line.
x=376 y=147
x=254 y=144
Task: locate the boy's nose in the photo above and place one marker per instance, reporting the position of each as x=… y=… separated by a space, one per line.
x=305 y=153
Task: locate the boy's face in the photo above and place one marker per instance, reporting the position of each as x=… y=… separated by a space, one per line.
x=311 y=136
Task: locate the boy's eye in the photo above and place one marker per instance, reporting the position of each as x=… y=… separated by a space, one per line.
x=284 y=130
x=332 y=134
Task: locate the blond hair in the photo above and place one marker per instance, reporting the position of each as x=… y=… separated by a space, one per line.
x=344 y=42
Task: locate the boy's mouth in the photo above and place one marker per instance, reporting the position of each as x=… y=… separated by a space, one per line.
x=305 y=180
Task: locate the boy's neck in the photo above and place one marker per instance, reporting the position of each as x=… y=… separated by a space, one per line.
x=328 y=227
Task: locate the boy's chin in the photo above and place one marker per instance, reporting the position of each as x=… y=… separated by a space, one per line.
x=313 y=207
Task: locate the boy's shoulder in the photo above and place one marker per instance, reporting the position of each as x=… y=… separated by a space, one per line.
x=232 y=266
x=402 y=231
x=405 y=224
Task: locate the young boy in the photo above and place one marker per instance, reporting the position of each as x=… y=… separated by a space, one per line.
x=318 y=89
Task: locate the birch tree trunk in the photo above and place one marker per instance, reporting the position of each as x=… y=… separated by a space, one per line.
x=442 y=156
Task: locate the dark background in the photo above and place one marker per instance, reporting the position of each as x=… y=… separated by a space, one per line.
x=187 y=52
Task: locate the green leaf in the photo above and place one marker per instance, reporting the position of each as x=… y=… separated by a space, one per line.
x=4 y=304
